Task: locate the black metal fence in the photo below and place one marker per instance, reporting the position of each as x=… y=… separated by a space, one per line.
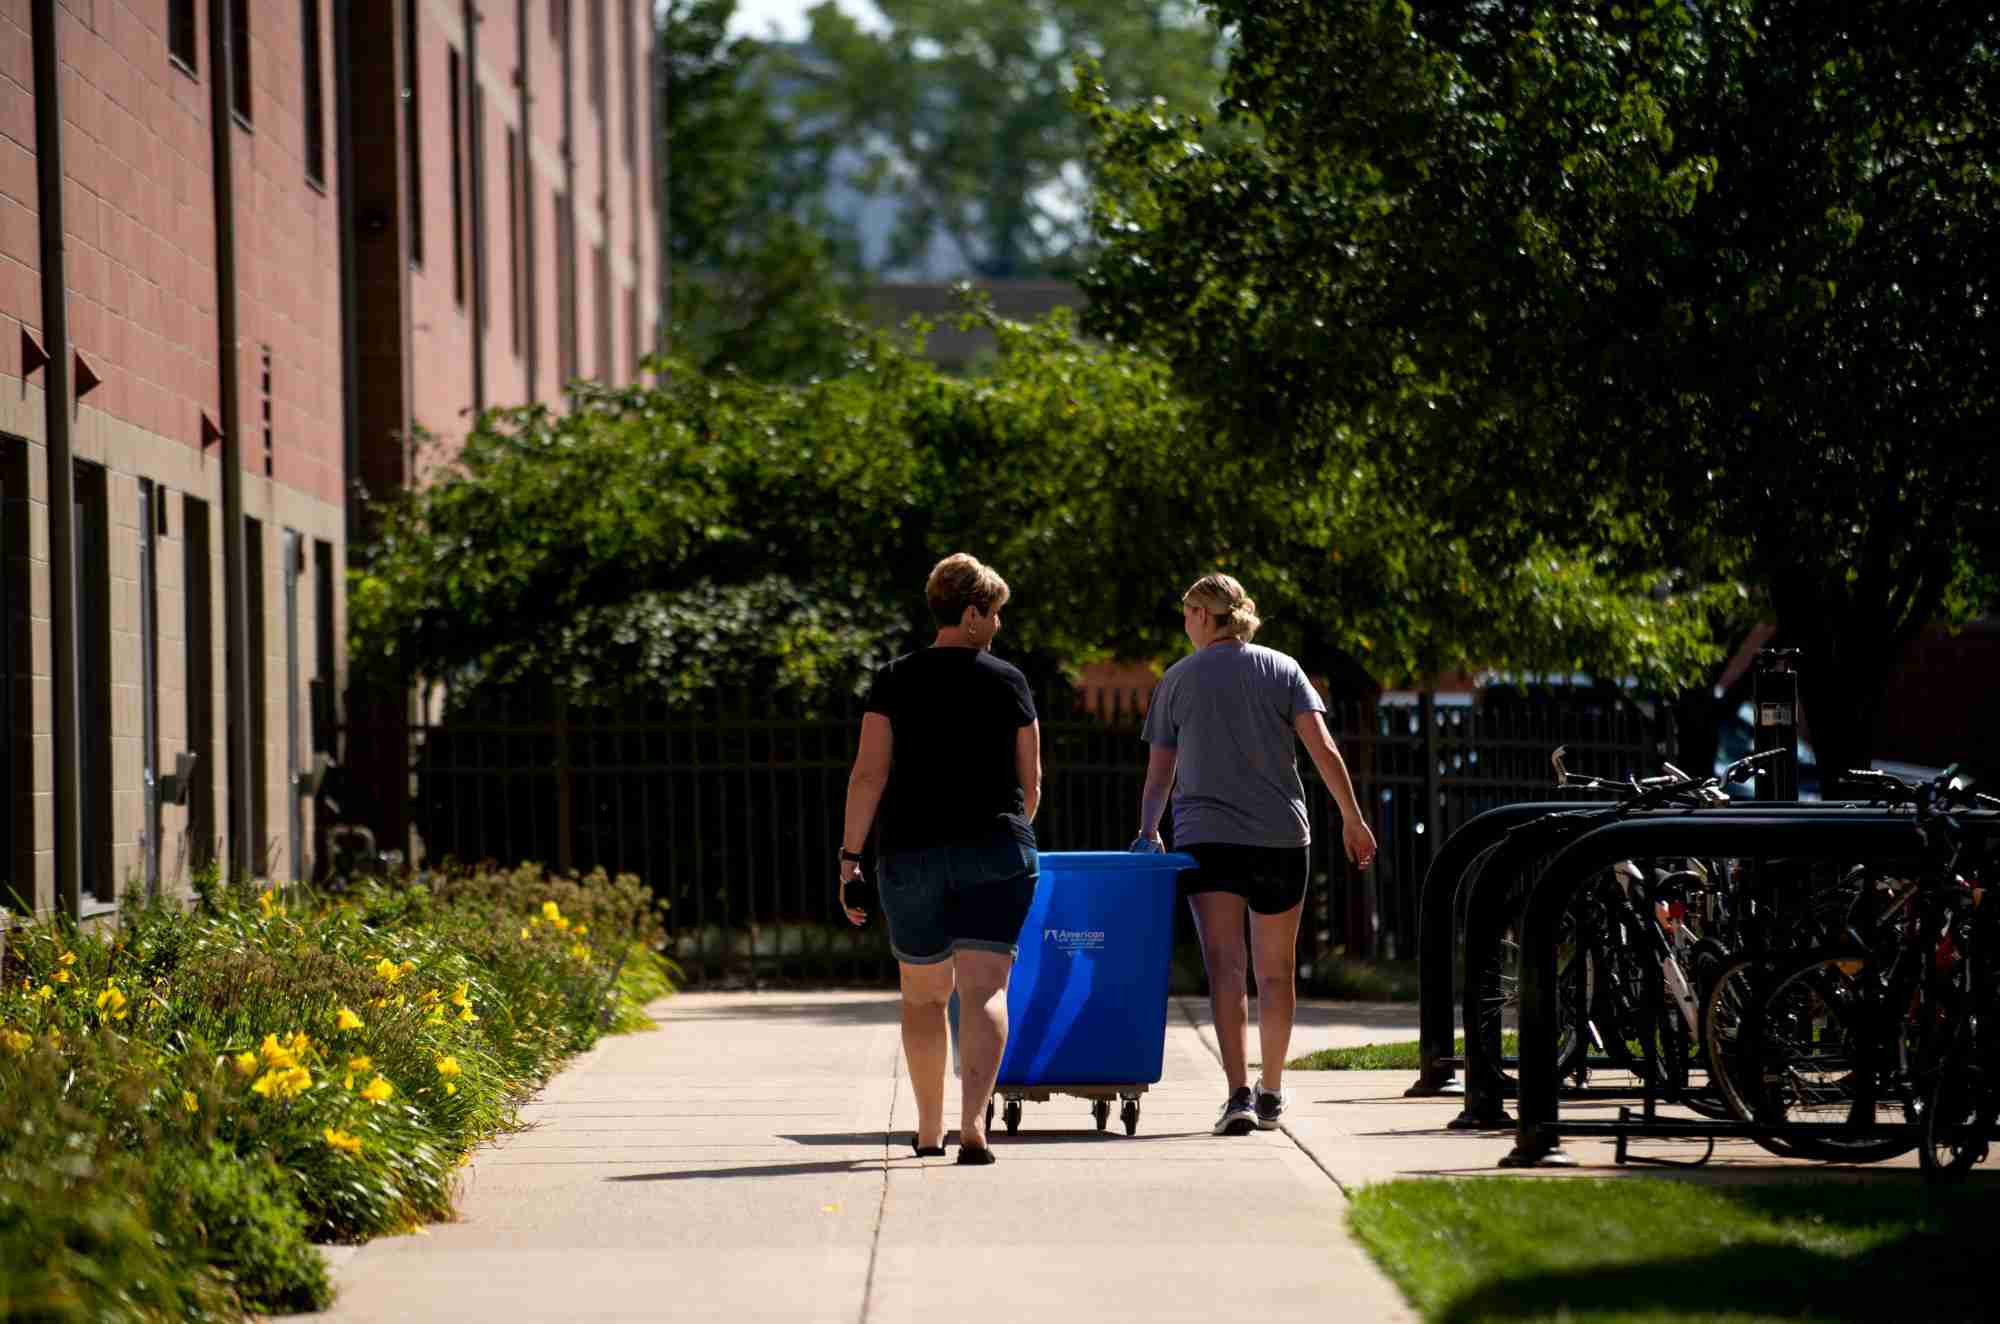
x=733 y=814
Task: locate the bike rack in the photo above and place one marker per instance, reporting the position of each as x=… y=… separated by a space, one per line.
x=1440 y=908
x=1764 y=831
x=1487 y=869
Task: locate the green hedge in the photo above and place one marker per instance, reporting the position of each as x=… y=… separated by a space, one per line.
x=190 y=1098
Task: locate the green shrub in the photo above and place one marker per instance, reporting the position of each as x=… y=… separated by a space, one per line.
x=186 y=1099
x=240 y=1215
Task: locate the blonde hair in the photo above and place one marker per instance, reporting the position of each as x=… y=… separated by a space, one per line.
x=960 y=581
x=1234 y=610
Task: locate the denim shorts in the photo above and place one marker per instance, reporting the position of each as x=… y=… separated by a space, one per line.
x=939 y=899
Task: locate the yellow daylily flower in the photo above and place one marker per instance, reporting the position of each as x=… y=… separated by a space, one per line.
x=551 y=912
x=62 y=976
x=429 y=996
x=408 y=966
x=524 y=933
x=378 y=1090
x=465 y=1014
x=582 y=929
x=580 y=953
x=45 y=993
x=447 y=1066
x=114 y=999
x=387 y=971
x=67 y=958
x=462 y=996
x=17 y=1042
x=450 y=1088
x=267 y=901
x=436 y=1017
x=246 y=1064
x=189 y=1102
x=359 y=1063
x=276 y=1054
x=284 y=1084
x=342 y=1141
x=347 y=1020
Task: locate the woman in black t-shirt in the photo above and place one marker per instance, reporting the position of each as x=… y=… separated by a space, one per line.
x=951 y=756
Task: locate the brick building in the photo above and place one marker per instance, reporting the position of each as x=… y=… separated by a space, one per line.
x=247 y=248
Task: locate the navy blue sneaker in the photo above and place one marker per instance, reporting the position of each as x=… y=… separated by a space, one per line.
x=1239 y=1115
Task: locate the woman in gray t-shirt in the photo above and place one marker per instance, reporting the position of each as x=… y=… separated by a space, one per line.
x=1222 y=726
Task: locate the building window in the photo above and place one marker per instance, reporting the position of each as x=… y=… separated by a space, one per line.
x=152 y=505
x=602 y=323
x=239 y=58
x=17 y=736
x=638 y=350
x=90 y=611
x=475 y=182
x=259 y=687
x=565 y=290
x=515 y=258
x=628 y=80
x=180 y=34
x=315 y=111
x=457 y=187
x=596 y=17
x=198 y=585
x=413 y=155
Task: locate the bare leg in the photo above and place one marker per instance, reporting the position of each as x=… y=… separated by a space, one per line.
x=1218 y=918
x=1274 y=940
x=927 y=1043
x=982 y=1034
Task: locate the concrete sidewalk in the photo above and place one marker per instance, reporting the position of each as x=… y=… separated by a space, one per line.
x=750 y=1161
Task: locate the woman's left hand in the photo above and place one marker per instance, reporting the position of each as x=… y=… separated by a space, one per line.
x=850 y=872
x=1360 y=842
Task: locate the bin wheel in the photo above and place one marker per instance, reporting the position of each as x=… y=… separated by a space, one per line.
x=1129 y=1114
x=1101 y=1111
x=1012 y=1114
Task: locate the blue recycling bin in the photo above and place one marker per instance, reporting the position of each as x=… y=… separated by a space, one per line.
x=1087 y=1001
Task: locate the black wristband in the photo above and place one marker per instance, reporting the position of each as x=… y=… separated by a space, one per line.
x=850 y=856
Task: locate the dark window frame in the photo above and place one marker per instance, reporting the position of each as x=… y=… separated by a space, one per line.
x=313 y=73
x=628 y=87
x=92 y=617
x=604 y=322
x=597 y=55
x=240 y=100
x=256 y=624
x=454 y=77
x=516 y=260
x=566 y=347
x=182 y=38
x=475 y=181
x=413 y=146
x=198 y=641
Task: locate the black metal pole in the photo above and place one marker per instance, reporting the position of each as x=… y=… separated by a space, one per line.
x=63 y=659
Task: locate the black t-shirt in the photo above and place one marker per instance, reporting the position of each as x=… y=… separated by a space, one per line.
x=953 y=717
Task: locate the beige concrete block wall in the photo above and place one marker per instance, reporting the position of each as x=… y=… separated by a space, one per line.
x=129 y=453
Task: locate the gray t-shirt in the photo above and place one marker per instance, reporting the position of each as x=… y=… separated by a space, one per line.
x=1228 y=709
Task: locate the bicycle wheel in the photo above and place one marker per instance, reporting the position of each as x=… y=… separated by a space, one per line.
x=1727 y=1007
x=1824 y=1047
x=1500 y=1000
x=1958 y=1117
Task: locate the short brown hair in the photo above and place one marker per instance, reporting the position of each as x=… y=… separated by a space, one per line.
x=960 y=581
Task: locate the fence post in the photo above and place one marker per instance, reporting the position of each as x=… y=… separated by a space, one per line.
x=565 y=790
x=1427 y=706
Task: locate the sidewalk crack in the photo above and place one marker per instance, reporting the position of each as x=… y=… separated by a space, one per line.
x=882 y=1209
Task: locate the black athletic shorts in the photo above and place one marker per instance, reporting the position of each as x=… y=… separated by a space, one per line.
x=1271 y=878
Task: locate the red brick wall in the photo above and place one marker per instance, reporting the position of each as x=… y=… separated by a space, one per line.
x=441 y=333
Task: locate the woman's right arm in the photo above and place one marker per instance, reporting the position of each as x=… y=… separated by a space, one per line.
x=864 y=794
x=1160 y=762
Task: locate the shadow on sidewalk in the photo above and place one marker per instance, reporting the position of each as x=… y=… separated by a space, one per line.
x=829 y=1167
x=885 y=1010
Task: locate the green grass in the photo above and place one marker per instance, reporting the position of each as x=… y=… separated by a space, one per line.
x=1384 y=1057
x=1640 y=1249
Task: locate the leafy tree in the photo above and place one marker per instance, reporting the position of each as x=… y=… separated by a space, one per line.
x=1702 y=284
x=760 y=276
x=662 y=541
x=962 y=108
